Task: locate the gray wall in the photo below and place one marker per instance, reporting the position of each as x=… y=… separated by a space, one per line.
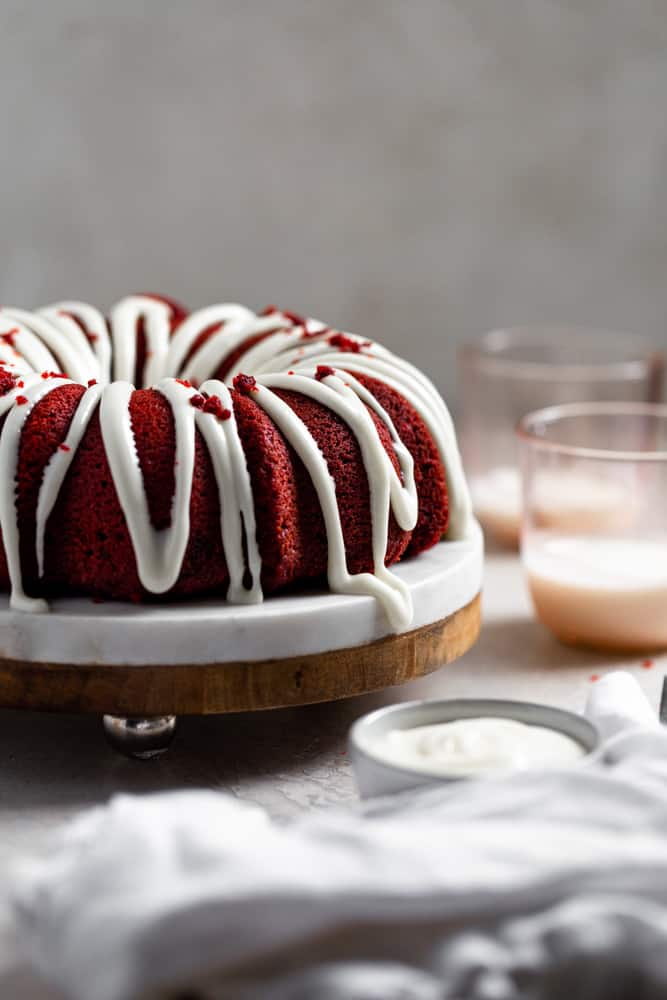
x=414 y=170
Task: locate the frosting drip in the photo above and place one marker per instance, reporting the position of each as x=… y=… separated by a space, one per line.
x=284 y=353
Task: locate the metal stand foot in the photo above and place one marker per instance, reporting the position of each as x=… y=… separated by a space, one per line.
x=140 y=738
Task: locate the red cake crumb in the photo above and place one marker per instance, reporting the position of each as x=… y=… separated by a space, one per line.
x=7 y=381
x=307 y=334
x=296 y=319
x=323 y=371
x=293 y=317
x=10 y=336
x=347 y=344
x=213 y=405
x=46 y=375
x=647 y=664
x=21 y=400
x=64 y=447
x=92 y=382
x=197 y=401
x=245 y=383
x=184 y=381
x=593 y=678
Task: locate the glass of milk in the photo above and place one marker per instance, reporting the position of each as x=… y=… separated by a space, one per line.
x=508 y=373
x=594 y=527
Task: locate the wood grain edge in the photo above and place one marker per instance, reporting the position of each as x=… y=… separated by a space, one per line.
x=201 y=689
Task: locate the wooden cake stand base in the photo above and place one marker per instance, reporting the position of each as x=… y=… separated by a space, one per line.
x=142 y=666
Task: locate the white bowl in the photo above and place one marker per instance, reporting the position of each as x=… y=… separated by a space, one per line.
x=378 y=776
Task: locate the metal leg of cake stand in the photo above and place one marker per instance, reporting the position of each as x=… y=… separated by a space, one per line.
x=140 y=738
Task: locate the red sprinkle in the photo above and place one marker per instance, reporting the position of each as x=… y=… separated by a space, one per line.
x=92 y=382
x=323 y=371
x=307 y=334
x=246 y=384
x=10 y=336
x=184 y=381
x=214 y=406
x=347 y=344
x=647 y=664
x=594 y=677
x=64 y=447
x=21 y=400
x=293 y=317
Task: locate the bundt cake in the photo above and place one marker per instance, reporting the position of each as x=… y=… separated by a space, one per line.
x=261 y=452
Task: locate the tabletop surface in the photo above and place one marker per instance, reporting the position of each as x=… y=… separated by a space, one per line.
x=290 y=760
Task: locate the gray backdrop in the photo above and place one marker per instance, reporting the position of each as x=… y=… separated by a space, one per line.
x=414 y=170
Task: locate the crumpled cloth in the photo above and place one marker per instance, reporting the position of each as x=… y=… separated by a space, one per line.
x=539 y=885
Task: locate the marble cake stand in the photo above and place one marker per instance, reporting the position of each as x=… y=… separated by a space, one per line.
x=140 y=666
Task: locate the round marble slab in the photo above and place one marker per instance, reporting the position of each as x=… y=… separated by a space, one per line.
x=204 y=656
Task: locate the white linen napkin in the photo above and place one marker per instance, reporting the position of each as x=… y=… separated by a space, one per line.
x=541 y=885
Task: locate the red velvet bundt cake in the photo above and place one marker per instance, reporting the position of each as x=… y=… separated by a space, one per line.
x=264 y=451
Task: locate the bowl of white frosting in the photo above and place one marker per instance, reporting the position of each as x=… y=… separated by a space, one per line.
x=422 y=742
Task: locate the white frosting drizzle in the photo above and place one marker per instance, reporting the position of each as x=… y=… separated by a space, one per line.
x=10 y=358
x=124 y=318
x=288 y=349
x=234 y=317
x=385 y=486
x=26 y=350
x=52 y=338
x=61 y=313
x=58 y=465
x=159 y=554
x=237 y=508
x=10 y=441
x=74 y=359
x=209 y=357
x=424 y=397
x=277 y=353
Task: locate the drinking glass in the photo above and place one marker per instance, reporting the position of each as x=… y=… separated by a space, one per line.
x=594 y=526
x=508 y=373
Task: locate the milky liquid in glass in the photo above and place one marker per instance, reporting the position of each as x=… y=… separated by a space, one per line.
x=601 y=591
